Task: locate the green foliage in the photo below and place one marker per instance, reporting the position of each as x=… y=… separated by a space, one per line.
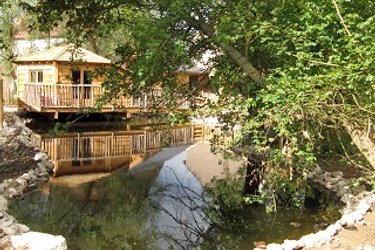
x=59 y=129
x=316 y=69
x=227 y=193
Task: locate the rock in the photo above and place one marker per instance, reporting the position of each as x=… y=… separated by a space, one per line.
x=5 y=223
x=291 y=244
x=274 y=246
x=327 y=176
x=333 y=229
x=26 y=176
x=363 y=207
x=22 y=228
x=347 y=198
x=40 y=156
x=3 y=204
x=337 y=174
x=350 y=219
x=12 y=192
x=10 y=231
x=2 y=188
x=342 y=190
x=10 y=183
x=38 y=241
x=47 y=164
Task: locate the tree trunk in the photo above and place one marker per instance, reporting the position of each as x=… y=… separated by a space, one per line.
x=363 y=142
x=231 y=51
x=93 y=44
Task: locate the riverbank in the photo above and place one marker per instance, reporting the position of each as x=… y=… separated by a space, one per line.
x=17 y=150
x=22 y=168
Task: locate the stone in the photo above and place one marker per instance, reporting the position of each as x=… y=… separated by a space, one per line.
x=347 y=198
x=5 y=223
x=3 y=204
x=274 y=246
x=26 y=176
x=327 y=176
x=2 y=188
x=363 y=207
x=290 y=244
x=12 y=192
x=342 y=190
x=332 y=230
x=337 y=174
x=38 y=241
x=10 y=230
x=351 y=218
x=40 y=156
x=10 y=183
x=22 y=228
x=21 y=182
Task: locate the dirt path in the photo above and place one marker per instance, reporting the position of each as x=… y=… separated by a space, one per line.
x=360 y=237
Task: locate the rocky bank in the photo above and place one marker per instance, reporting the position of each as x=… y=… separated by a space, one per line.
x=22 y=168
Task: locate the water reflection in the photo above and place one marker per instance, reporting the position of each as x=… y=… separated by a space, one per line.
x=105 y=151
x=160 y=204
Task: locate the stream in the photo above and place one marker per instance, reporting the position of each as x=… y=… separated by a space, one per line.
x=145 y=189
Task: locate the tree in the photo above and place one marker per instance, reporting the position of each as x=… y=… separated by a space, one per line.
x=292 y=73
x=9 y=11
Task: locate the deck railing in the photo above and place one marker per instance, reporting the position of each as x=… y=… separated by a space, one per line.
x=79 y=146
x=51 y=95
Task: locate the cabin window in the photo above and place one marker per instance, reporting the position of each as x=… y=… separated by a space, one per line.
x=193 y=82
x=36 y=76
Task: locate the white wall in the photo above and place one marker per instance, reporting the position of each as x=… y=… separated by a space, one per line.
x=24 y=47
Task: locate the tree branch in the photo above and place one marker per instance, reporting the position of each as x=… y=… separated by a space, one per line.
x=341 y=18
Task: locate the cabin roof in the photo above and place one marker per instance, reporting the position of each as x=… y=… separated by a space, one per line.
x=64 y=53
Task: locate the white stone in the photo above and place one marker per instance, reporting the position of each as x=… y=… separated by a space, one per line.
x=3 y=204
x=274 y=246
x=290 y=244
x=38 y=241
x=352 y=218
x=40 y=156
x=363 y=207
x=332 y=230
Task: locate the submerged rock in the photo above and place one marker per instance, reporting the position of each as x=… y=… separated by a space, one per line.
x=38 y=241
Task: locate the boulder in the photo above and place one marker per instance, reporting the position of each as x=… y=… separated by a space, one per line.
x=38 y=241
x=3 y=204
x=40 y=156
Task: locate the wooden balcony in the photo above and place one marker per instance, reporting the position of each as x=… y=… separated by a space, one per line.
x=51 y=97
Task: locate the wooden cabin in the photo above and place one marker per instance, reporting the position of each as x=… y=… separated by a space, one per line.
x=61 y=80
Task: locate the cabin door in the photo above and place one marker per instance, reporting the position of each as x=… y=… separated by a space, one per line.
x=82 y=93
x=76 y=79
x=87 y=81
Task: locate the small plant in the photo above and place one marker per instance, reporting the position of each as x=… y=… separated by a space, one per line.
x=59 y=129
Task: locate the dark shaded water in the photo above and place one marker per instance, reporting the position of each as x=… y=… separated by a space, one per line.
x=158 y=204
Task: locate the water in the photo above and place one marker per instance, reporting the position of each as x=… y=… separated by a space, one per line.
x=104 y=200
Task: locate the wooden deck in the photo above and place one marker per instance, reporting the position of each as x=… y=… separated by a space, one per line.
x=69 y=98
